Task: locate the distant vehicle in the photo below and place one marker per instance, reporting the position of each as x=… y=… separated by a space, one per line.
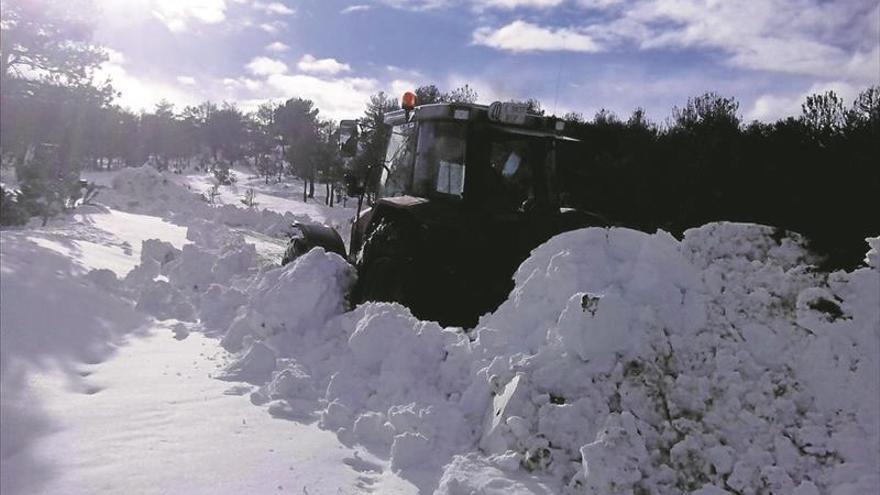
x=466 y=192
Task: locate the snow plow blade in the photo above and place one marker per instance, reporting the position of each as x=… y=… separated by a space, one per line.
x=308 y=236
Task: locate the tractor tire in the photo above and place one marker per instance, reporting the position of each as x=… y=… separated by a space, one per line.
x=384 y=280
x=311 y=236
x=385 y=264
x=397 y=265
x=389 y=238
x=295 y=249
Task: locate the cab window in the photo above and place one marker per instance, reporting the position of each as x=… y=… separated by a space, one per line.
x=511 y=163
x=398 y=166
x=440 y=166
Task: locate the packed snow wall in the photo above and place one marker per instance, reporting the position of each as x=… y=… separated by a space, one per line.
x=622 y=362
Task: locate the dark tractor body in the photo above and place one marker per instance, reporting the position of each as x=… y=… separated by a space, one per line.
x=466 y=192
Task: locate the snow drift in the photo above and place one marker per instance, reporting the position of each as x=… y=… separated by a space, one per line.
x=622 y=362
x=147 y=191
x=678 y=367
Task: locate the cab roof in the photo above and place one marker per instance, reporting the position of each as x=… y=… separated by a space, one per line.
x=472 y=112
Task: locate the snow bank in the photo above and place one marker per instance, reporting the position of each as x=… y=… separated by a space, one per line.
x=146 y=190
x=53 y=315
x=722 y=361
x=587 y=271
x=51 y=308
x=622 y=362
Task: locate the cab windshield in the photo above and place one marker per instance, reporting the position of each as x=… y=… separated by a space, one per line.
x=432 y=165
x=518 y=172
x=440 y=159
x=512 y=161
x=398 y=166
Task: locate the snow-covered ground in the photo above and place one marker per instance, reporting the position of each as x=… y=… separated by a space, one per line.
x=622 y=362
x=278 y=197
x=97 y=397
x=151 y=419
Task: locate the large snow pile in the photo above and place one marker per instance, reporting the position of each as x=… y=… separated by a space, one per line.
x=147 y=191
x=622 y=362
x=719 y=363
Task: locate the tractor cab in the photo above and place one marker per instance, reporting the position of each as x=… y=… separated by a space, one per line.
x=453 y=159
x=494 y=158
x=465 y=193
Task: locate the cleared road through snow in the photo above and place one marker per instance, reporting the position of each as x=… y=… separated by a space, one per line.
x=152 y=420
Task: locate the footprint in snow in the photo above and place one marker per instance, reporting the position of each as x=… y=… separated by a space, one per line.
x=361 y=465
x=91 y=389
x=237 y=390
x=365 y=484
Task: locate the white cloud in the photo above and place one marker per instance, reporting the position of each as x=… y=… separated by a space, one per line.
x=114 y=57
x=242 y=83
x=273 y=27
x=804 y=37
x=400 y=86
x=328 y=66
x=513 y=4
x=522 y=36
x=488 y=90
x=251 y=84
x=769 y=108
x=277 y=47
x=402 y=74
x=186 y=80
x=417 y=5
x=138 y=93
x=355 y=8
x=598 y=4
x=478 y=5
x=772 y=107
x=178 y=14
x=623 y=88
x=265 y=66
x=864 y=66
x=343 y=98
x=276 y=8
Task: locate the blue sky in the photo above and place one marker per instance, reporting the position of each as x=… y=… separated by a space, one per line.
x=579 y=55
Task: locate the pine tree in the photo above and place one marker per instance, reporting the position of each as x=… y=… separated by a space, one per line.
x=297 y=124
x=48 y=97
x=374 y=136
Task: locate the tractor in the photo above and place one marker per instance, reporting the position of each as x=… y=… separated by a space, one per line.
x=465 y=193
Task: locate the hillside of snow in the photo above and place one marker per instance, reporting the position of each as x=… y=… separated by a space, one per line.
x=622 y=362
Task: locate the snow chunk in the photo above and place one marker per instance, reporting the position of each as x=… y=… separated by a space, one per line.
x=303 y=294
x=164 y=301
x=872 y=259
x=640 y=268
x=255 y=365
x=219 y=307
x=410 y=450
x=613 y=463
x=470 y=474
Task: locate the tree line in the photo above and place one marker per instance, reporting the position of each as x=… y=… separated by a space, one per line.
x=817 y=173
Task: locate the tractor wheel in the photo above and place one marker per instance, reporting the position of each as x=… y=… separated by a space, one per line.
x=385 y=263
x=384 y=279
x=390 y=238
x=295 y=249
x=309 y=236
